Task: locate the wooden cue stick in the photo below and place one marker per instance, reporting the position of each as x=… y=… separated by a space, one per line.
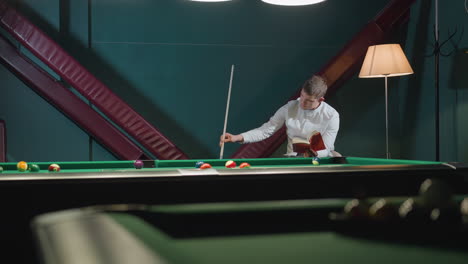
x=227 y=111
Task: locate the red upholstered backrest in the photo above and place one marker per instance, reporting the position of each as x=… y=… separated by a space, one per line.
x=2 y=141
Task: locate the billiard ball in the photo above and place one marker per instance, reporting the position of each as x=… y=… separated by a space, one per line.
x=446 y=215
x=436 y=193
x=34 y=168
x=412 y=211
x=244 y=165
x=230 y=164
x=464 y=210
x=198 y=164
x=464 y=207
x=1 y=169
x=22 y=166
x=315 y=161
x=138 y=164
x=382 y=210
x=54 y=167
x=205 y=166
x=356 y=209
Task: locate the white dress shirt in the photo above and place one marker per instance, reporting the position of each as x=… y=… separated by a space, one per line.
x=300 y=123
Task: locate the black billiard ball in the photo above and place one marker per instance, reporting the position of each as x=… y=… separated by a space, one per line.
x=464 y=207
x=382 y=210
x=412 y=211
x=436 y=193
x=464 y=210
x=447 y=215
x=356 y=209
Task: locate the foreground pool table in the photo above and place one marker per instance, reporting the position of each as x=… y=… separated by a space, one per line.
x=289 y=231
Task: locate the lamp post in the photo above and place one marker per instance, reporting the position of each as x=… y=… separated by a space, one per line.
x=385 y=60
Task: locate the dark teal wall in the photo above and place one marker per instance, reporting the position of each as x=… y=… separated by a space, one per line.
x=171 y=59
x=361 y=102
x=417 y=93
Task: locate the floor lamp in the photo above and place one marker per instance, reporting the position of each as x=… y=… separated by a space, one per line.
x=386 y=60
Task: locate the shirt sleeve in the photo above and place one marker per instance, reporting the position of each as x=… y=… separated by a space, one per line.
x=268 y=128
x=329 y=136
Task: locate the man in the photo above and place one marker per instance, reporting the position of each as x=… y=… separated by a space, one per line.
x=302 y=116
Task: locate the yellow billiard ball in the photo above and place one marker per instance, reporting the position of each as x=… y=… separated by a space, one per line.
x=22 y=166
x=315 y=161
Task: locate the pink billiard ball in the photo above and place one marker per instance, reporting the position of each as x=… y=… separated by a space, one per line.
x=138 y=164
x=205 y=166
x=230 y=164
x=244 y=165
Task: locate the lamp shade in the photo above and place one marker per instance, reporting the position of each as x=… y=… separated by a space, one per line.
x=385 y=60
x=292 y=2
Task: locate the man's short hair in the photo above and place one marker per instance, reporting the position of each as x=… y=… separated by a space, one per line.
x=315 y=86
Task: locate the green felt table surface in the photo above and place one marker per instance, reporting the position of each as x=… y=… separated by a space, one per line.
x=320 y=246
x=148 y=226
x=160 y=165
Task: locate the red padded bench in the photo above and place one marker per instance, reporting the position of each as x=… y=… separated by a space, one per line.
x=2 y=141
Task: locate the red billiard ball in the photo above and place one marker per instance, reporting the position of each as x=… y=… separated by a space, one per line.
x=230 y=164
x=205 y=166
x=244 y=165
x=138 y=164
x=54 y=167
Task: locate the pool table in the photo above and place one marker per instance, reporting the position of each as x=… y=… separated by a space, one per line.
x=25 y=195
x=179 y=181
x=173 y=181
x=282 y=231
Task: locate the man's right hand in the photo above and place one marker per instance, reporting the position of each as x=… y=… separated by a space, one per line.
x=310 y=153
x=228 y=137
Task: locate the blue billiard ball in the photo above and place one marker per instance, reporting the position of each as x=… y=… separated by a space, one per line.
x=198 y=164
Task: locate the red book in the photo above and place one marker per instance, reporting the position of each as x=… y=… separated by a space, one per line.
x=315 y=142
